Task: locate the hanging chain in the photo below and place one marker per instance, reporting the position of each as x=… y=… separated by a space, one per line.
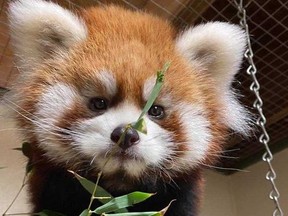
x=261 y=121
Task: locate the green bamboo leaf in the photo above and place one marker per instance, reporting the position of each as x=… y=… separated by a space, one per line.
x=46 y=212
x=89 y=186
x=123 y=202
x=101 y=194
x=152 y=213
x=135 y=214
x=84 y=213
x=154 y=94
x=29 y=167
x=163 y=211
x=141 y=126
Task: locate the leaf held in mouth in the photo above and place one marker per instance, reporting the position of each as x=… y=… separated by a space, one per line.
x=140 y=124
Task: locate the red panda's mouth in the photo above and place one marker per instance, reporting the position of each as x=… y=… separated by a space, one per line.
x=128 y=162
x=124 y=155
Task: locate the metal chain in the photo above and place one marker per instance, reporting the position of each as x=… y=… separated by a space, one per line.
x=258 y=104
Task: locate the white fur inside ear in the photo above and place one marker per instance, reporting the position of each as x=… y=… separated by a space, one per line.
x=39 y=27
x=215 y=47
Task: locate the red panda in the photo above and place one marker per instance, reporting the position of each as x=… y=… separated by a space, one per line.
x=85 y=75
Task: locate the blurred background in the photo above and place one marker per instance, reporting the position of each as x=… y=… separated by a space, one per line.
x=236 y=186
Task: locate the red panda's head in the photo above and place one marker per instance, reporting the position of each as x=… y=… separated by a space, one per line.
x=85 y=76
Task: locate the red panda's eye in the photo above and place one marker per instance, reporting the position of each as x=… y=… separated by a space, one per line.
x=156 y=112
x=97 y=104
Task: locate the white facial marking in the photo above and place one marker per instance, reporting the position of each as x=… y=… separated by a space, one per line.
x=235 y=116
x=108 y=82
x=152 y=149
x=165 y=98
x=55 y=101
x=91 y=137
x=148 y=86
x=196 y=128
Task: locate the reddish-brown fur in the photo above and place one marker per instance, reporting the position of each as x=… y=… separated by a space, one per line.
x=133 y=46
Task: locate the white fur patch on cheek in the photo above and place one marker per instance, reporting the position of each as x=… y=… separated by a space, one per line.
x=155 y=147
x=55 y=101
x=196 y=129
x=235 y=116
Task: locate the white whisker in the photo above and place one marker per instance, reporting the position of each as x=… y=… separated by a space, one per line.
x=224 y=168
x=212 y=154
x=41 y=123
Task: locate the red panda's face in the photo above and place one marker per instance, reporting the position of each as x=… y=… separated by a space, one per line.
x=97 y=76
x=79 y=108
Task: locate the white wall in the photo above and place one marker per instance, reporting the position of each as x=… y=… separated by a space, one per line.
x=218 y=197
x=251 y=189
x=12 y=175
x=246 y=193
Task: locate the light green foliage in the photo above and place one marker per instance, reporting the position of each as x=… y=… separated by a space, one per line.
x=122 y=202
x=140 y=124
x=85 y=212
x=151 y=213
x=101 y=193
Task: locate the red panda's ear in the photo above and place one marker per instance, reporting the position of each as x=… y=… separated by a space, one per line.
x=217 y=48
x=40 y=29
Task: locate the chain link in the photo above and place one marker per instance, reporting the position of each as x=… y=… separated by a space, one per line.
x=261 y=121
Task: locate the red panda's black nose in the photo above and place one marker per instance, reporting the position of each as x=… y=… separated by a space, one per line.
x=130 y=138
